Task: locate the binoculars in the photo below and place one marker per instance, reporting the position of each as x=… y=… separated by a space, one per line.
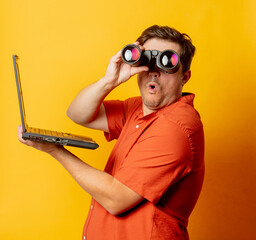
x=167 y=61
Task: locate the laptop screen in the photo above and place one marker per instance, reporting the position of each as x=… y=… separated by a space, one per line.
x=18 y=83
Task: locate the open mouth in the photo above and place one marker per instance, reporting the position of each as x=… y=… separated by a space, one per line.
x=152 y=86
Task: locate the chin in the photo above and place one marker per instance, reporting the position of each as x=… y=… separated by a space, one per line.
x=152 y=105
x=153 y=100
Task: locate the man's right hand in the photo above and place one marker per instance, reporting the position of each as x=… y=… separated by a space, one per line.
x=119 y=72
x=87 y=108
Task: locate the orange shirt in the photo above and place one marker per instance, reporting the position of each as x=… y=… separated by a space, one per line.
x=159 y=156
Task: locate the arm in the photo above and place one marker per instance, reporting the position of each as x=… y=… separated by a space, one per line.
x=87 y=108
x=114 y=196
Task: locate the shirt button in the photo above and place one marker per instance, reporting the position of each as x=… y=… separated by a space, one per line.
x=91 y=206
x=84 y=237
x=137 y=126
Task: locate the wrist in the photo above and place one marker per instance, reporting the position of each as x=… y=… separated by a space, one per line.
x=58 y=152
x=107 y=84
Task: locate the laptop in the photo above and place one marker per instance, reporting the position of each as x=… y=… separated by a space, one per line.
x=43 y=135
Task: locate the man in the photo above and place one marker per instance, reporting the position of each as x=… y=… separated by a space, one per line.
x=155 y=172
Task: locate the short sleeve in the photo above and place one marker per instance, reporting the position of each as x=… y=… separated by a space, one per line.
x=116 y=118
x=117 y=113
x=159 y=159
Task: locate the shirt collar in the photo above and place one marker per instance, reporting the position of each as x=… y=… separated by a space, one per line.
x=187 y=98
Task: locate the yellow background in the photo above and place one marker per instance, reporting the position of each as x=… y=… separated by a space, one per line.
x=66 y=45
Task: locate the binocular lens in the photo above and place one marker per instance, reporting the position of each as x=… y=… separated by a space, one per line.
x=131 y=54
x=169 y=59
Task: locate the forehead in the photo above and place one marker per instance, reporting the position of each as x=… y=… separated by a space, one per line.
x=161 y=45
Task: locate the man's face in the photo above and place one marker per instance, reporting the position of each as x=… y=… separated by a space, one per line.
x=159 y=89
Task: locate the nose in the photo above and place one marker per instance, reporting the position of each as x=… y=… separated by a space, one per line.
x=154 y=73
x=153 y=69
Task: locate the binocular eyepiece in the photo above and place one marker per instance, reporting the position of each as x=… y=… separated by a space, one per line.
x=167 y=61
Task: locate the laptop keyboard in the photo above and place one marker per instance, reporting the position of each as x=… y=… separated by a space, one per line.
x=57 y=134
x=47 y=132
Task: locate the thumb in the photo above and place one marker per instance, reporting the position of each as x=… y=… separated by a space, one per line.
x=136 y=70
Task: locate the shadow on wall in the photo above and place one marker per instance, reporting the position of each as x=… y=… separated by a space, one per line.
x=228 y=200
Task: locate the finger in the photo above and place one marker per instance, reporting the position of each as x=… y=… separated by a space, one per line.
x=20 y=131
x=140 y=46
x=117 y=57
x=136 y=70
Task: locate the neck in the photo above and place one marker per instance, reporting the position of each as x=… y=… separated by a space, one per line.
x=147 y=111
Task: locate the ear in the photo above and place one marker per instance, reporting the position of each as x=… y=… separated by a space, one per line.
x=186 y=77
